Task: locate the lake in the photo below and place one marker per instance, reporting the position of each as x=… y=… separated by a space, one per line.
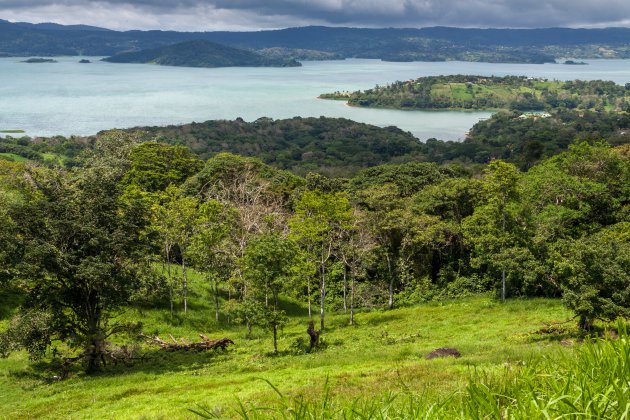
x=70 y=98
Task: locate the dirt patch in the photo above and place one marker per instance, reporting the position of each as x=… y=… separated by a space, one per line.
x=444 y=352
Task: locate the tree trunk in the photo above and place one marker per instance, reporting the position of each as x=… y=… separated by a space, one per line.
x=322 y=293
x=585 y=323
x=275 y=339
x=314 y=335
x=96 y=342
x=351 y=300
x=229 y=299
x=310 y=305
x=391 y=282
x=216 y=300
x=503 y=291
x=345 y=288
x=170 y=280
x=185 y=280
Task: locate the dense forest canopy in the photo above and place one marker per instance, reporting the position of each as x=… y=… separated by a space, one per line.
x=340 y=147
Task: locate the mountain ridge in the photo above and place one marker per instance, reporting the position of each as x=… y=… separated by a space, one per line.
x=437 y=43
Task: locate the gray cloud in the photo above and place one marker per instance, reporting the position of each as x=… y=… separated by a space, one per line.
x=253 y=14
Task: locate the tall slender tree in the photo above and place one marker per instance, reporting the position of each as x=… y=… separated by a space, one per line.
x=317 y=225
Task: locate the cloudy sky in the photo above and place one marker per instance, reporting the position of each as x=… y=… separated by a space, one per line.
x=193 y=15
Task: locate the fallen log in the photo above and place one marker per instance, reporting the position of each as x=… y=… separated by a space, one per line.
x=205 y=344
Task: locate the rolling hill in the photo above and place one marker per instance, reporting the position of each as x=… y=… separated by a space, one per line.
x=200 y=53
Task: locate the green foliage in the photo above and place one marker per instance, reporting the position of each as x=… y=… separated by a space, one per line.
x=155 y=166
x=332 y=146
x=83 y=250
x=483 y=92
x=597 y=273
x=30 y=330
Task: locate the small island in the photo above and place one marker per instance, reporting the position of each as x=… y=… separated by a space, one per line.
x=39 y=60
x=575 y=63
x=201 y=54
x=84 y=61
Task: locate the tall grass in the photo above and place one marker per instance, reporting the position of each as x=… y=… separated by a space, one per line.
x=591 y=383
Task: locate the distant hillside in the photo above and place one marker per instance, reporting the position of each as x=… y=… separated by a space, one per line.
x=429 y=44
x=482 y=92
x=332 y=146
x=200 y=53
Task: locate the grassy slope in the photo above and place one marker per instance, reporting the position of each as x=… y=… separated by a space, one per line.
x=385 y=350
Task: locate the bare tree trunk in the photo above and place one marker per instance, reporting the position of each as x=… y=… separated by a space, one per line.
x=391 y=282
x=345 y=288
x=322 y=293
x=216 y=300
x=308 y=290
x=503 y=291
x=351 y=300
x=229 y=299
x=185 y=280
x=170 y=280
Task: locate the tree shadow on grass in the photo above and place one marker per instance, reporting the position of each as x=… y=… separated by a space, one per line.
x=153 y=361
x=10 y=300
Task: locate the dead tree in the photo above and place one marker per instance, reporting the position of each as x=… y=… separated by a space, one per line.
x=176 y=345
x=313 y=334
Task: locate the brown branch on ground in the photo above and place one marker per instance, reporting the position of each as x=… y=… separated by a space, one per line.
x=205 y=344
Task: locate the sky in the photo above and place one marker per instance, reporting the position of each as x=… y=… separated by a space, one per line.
x=210 y=15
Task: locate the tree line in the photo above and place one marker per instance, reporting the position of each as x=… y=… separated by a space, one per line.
x=81 y=244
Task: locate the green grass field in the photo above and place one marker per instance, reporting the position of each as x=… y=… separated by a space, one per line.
x=384 y=352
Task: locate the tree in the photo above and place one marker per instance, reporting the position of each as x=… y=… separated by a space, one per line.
x=595 y=273
x=356 y=249
x=210 y=245
x=85 y=250
x=267 y=268
x=388 y=220
x=258 y=193
x=495 y=228
x=14 y=198
x=317 y=224
x=155 y=166
x=175 y=220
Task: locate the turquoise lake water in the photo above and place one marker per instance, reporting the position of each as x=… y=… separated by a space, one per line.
x=71 y=98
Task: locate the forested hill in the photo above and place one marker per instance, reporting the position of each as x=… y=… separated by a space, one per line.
x=430 y=44
x=333 y=146
x=200 y=53
x=483 y=92
x=340 y=147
